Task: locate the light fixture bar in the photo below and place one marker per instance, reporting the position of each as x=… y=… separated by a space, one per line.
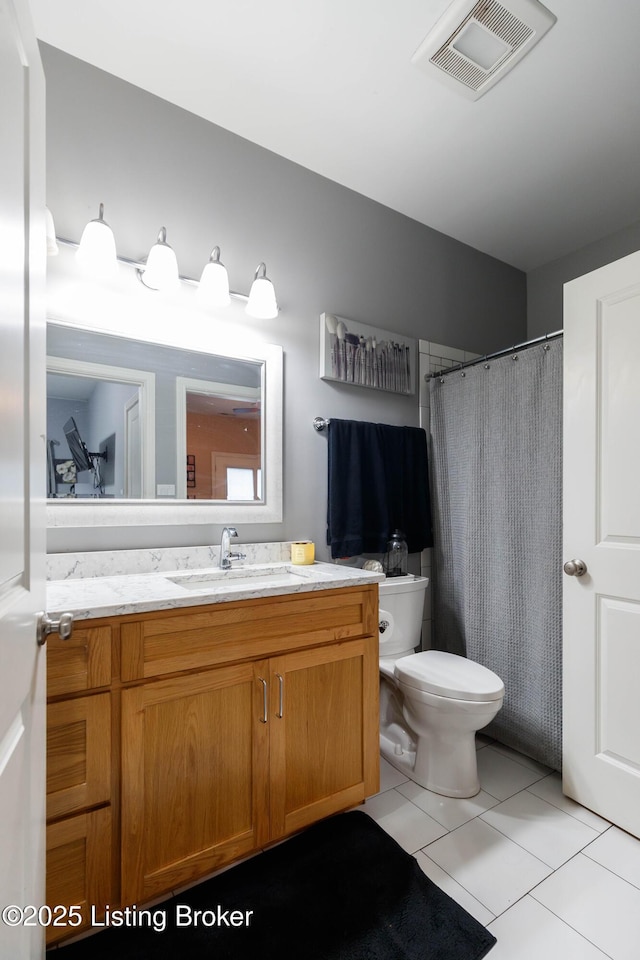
x=140 y=266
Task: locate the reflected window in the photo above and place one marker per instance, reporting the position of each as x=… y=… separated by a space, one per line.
x=240 y=484
x=237 y=476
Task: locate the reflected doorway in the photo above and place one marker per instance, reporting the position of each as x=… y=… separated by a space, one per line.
x=223 y=443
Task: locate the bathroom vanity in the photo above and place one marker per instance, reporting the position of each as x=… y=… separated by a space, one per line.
x=184 y=737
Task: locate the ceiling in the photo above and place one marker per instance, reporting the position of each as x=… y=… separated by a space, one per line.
x=544 y=163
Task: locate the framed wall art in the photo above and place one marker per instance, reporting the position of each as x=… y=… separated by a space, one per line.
x=191 y=470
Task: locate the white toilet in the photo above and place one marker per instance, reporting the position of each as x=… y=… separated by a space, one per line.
x=431 y=703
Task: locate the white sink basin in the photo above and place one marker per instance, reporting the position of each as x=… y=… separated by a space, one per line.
x=256 y=576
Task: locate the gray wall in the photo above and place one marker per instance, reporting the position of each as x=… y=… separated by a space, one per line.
x=545 y=284
x=106 y=419
x=326 y=249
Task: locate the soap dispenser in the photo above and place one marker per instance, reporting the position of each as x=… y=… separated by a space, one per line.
x=395 y=564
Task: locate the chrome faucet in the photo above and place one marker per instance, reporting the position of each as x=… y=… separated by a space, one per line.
x=226 y=556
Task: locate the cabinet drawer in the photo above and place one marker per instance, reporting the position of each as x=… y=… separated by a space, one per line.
x=79 y=867
x=78 y=754
x=173 y=641
x=80 y=663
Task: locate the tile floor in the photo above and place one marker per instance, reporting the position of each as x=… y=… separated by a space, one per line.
x=550 y=879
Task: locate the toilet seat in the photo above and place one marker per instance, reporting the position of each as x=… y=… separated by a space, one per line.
x=448 y=675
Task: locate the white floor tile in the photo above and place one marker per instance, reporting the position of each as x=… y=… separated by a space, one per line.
x=550 y=789
x=619 y=852
x=542 y=829
x=497 y=860
x=540 y=768
x=482 y=740
x=451 y=812
x=406 y=823
x=389 y=776
x=597 y=904
x=501 y=776
x=528 y=931
x=495 y=870
x=453 y=889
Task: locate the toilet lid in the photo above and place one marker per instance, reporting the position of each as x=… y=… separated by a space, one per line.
x=448 y=675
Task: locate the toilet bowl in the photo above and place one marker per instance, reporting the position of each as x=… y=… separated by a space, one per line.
x=431 y=703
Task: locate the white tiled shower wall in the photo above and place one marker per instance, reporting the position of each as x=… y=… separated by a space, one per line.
x=433 y=358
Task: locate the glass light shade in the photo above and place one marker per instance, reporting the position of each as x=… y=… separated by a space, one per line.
x=213 y=289
x=97 y=250
x=262 y=302
x=161 y=269
x=52 y=243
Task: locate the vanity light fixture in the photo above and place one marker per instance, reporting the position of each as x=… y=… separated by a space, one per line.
x=213 y=289
x=161 y=269
x=262 y=304
x=97 y=250
x=52 y=243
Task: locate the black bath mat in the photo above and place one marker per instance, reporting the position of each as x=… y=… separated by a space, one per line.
x=342 y=890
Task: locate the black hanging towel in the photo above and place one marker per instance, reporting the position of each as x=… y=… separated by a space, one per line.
x=378 y=481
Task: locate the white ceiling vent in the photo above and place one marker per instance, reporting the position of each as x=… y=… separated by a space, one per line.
x=476 y=42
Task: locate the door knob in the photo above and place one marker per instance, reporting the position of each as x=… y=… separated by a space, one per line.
x=45 y=625
x=575 y=568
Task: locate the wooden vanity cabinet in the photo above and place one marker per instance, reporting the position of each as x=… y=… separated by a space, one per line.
x=79 y=759
x=239 y=723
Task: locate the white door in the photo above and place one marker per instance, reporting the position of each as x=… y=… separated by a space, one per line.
x=601 y=754
x=132 y=449
x=22 y=481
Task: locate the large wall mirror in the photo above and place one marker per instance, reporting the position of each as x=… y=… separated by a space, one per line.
x=147 y=432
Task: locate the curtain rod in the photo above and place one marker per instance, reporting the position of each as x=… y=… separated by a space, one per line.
x=494 y=356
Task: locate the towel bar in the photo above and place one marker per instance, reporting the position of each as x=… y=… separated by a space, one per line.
x=319 y=423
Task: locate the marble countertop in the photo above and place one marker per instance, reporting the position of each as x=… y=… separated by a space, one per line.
x=89 y=597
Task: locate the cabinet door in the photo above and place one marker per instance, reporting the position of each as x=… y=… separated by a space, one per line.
x=194 y=776
x=324 y=732
x=79 y=870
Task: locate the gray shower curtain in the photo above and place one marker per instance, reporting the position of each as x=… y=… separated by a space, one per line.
x=496 y=487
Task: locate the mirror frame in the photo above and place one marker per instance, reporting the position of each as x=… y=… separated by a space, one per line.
x=98 y=513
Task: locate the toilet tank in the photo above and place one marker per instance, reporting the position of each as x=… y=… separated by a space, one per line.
x=401 y=608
